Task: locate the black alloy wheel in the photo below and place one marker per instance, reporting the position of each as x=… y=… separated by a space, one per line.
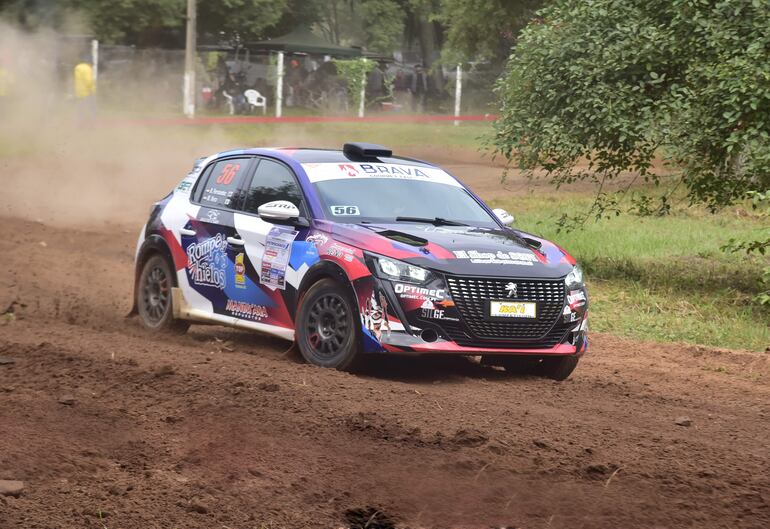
x=153 y=297
x=326 y=332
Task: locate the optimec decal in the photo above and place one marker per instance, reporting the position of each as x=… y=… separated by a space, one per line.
x=413 y=292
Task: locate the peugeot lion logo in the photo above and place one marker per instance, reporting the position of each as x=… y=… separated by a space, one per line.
x=511 y=288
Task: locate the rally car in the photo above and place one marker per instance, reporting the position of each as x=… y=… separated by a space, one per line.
x=357 y=251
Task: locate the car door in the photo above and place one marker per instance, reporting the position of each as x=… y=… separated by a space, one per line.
x=274 y=255
x=208 y=236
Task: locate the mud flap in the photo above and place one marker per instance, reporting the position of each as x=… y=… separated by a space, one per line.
x=180 y=308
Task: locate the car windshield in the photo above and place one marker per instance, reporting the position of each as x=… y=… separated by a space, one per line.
x=385 y=199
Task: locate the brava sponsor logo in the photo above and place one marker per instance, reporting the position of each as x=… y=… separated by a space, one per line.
x=382 y=170
x=415 y=292
x=393 y=170
x=206 y=261
x=241 y=309
x=348 y=169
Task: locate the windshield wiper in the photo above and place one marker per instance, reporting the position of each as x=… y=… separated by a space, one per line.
x=436 y=221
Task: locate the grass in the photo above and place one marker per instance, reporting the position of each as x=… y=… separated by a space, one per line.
x=656 y=278
x=398 y=136
x=662 y=278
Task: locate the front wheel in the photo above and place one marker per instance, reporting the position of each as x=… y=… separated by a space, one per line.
x=554 y=367
x=327 y=331
x=559 y=367
x=153 y=298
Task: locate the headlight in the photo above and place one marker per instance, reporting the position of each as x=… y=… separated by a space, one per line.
x=387 y=268
x=575 y=278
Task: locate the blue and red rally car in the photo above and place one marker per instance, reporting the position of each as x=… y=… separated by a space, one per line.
x=353 y=252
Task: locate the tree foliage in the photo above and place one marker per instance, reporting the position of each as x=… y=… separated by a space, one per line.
x=354 y=72
x=151 y=22
x=487 y=30
x=618 y=82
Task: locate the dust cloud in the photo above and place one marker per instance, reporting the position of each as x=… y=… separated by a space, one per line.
x=62 y=166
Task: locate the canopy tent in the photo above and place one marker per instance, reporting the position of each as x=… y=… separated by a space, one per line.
x=302 y=40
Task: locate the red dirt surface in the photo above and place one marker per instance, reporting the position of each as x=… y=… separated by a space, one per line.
x=109 y=426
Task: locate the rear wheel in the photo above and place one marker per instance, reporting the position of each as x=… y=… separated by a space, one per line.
x=153 y=298
x=327 y=330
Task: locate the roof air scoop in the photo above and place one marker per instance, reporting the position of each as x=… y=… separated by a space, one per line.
x=366 y=150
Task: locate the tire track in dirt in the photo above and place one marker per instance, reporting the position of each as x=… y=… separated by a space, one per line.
x=221 y=428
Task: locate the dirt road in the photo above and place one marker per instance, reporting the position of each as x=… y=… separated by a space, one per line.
x=110 y=427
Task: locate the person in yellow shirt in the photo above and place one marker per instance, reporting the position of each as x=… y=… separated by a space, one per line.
x=6 y=81
x=85 y=89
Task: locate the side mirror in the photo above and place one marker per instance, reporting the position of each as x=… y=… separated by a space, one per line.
x=278 y=210
x=503 y=216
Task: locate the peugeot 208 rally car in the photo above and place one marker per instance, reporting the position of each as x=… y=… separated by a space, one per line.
x=353 y=252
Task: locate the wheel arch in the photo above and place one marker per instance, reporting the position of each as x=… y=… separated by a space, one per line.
x=325 y=269
x=152 y=245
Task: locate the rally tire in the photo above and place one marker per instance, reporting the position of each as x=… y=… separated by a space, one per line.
x=328 y=329
x=514 y=364
x=559 y=367
x=153 y=298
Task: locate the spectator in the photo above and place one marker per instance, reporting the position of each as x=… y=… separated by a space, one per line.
x=419 y=88
x=6 y=82
x=85 y=90
x=401 y=91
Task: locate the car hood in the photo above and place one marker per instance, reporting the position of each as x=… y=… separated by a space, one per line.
x=461 y=250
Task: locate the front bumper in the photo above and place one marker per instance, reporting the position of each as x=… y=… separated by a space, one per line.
x=451 y=316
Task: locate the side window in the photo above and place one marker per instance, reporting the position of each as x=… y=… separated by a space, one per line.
x=220 y=189
x=272 y=181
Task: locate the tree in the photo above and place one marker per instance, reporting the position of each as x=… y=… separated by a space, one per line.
x=141 y=22
x=487 y=30
x=248 y=20
x=619 y=82
x=151 y=22
x=377 y=25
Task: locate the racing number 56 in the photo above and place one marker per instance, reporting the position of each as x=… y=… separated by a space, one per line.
x=228 y=173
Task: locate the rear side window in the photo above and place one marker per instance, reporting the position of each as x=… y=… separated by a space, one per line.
x=272 y=181
x=221 y=189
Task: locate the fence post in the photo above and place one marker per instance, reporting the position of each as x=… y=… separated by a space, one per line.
x=363 y=92
x=279 y=85
x=458 y=92
x=95 y=59
x=189 y=61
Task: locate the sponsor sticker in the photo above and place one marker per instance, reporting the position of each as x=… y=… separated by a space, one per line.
x=576 y=298
x=512 y=309
x=184 y=185
x=206 y=261
x=499 y=257
x=406 y=291
x=240 y=271
x=340 y=252
x=318 y=172
x=375 y=314
x=568 y=316
x=276 y=257
x=247 y=311
x=318 y=239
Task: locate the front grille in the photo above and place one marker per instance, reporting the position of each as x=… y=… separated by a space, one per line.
x=472 y=294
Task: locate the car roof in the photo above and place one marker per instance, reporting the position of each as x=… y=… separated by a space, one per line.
x=313 y=155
